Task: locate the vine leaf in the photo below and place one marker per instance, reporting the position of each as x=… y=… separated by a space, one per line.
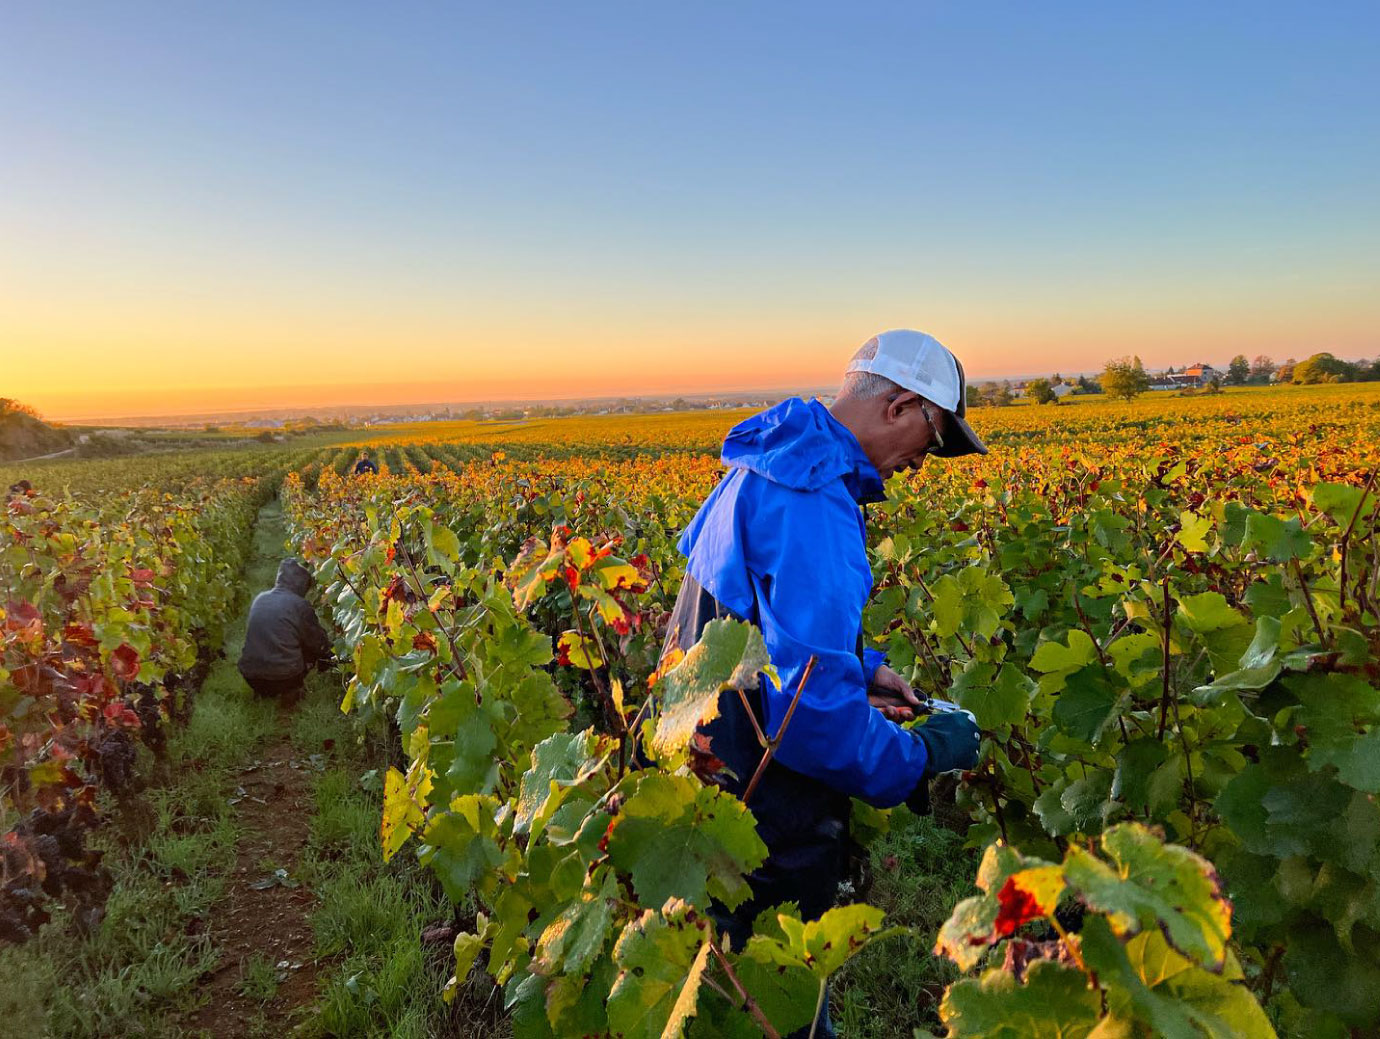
x=404 y=806
x=973 y=602
x=787 y=960
x=661 y=958
x=729 y=655
x=578 y=650
x=572 y=941
x=1193 y=531
x=461 y=845
x=1055 y=657
x=1277 y=540
x=681 y=839
x=1088 y=703
x=1055 y=1002
x=443 y=543
x=1017 y=890
x=1341 y=501
x=530 y=572
x=995 y=702
x=557 y=763
x=1027 y=895
x=821 y=946
x=1223 y=631
x=1148 y=982
x=967 y=933
x=1341 y=715
x=1154 y=884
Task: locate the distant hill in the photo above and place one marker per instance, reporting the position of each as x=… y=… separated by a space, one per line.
x=24 y=435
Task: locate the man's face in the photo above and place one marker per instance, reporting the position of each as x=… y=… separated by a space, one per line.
x=910 y=428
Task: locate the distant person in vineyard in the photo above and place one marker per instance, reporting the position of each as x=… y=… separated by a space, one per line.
x=781 y=542
x=366 y=464
x=284 y=639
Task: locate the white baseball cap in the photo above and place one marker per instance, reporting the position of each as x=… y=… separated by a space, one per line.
x=922 y=364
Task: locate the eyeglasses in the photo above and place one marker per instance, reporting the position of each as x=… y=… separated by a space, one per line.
x=937 y=441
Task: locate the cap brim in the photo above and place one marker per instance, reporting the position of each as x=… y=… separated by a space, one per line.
x=960 y=439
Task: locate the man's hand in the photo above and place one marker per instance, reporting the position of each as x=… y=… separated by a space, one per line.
x=892 y=695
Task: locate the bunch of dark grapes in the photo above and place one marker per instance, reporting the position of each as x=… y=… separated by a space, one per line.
x=115 y=757
x=152 y=732
x=45 y=857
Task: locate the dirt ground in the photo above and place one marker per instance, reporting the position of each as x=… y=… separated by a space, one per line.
x=264 y=913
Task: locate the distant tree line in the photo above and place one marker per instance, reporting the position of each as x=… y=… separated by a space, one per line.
x=1126 y=377
x=1041 y=391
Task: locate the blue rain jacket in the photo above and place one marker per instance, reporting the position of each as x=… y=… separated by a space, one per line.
x=781 y=542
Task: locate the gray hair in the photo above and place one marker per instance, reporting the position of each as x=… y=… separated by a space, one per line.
x=865 y=385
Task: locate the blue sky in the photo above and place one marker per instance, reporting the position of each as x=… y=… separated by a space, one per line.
x=503 y=197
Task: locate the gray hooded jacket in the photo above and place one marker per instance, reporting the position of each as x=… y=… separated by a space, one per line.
x=284 y=637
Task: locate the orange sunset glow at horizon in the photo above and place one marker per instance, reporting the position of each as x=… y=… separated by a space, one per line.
x=299 y=371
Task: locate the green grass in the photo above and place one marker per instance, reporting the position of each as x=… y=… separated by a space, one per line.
x=132 y=972
x=346 y=823
x=260 y=979
x=226 y=721
x=381 y=981
x=921 y=871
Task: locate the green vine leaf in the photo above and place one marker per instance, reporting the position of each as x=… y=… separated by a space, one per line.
x=571 y=942
x=1055 y=1002
x=557 y=763
x=1149 y=982
x=729 y=655
x=1154 y=884
x=661 y=958
x=680 y=839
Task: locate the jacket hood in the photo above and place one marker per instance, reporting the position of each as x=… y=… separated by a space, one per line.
x=803 y=447
x=293 y=576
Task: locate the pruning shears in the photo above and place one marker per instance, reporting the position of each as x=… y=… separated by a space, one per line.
x=934 y=705
x=927 y=705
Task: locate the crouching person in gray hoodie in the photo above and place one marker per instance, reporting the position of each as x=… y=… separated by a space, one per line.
x=284 y=637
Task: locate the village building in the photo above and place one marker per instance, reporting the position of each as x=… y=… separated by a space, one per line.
x=1194 y=376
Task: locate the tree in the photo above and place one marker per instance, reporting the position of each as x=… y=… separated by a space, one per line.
x=1262 y=368
x=1057 y=380
x=1285 y=372
x=1125 y=378
x=1323 y=367
x=974 y=396
x=997 y=395
x=1040 y=391
x=10 y=406
x=1238 y=371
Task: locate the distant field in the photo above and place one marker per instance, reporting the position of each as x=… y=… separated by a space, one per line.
x=1353 y=408
x=675 y=430
x=704 y=430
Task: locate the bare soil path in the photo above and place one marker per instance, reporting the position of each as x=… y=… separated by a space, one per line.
x=265 y=916
x=262 y=929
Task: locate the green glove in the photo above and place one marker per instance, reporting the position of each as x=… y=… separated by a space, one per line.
x=952 y=741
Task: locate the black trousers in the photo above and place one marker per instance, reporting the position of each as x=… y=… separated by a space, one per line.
x=289 y=689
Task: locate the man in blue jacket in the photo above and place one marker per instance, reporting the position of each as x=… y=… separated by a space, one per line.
x=781 y=542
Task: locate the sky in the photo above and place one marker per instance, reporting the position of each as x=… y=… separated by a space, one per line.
x=265 y=204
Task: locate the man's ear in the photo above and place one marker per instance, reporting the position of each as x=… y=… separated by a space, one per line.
x=901 y=403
